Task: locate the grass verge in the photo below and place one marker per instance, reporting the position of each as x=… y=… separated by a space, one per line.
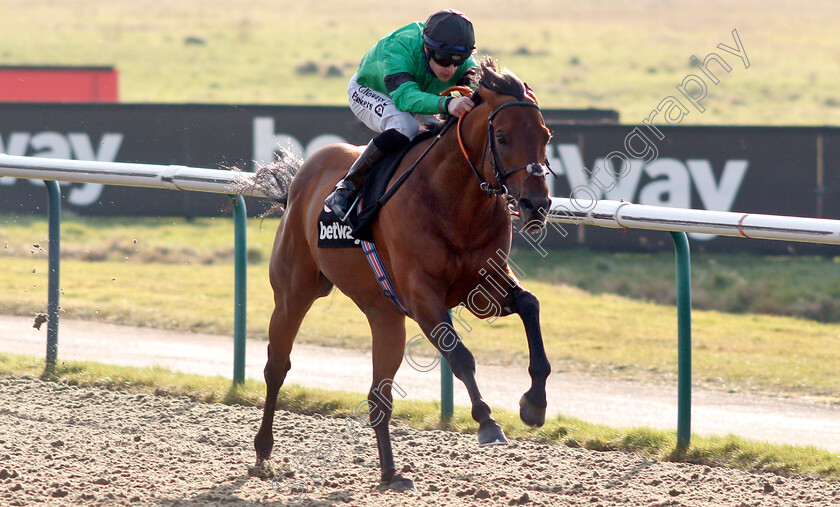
x=729 y=451
x=806 y=286
x=173 y=274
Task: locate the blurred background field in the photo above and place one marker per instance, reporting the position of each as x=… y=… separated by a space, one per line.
x=624 y=55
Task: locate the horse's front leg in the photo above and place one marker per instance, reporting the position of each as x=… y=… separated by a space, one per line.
x=533 y=403
x=437 y=325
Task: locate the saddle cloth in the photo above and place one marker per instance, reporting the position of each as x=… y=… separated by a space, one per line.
x=333 y=233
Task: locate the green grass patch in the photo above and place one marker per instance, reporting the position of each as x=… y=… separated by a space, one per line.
x=726 y=451
x=586 y=330
x=135 y=240
x=806 y=286
x=794 y=285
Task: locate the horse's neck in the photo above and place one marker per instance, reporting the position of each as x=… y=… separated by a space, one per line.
x=454 y=181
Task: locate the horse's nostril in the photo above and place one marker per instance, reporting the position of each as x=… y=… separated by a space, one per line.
x=525 y=205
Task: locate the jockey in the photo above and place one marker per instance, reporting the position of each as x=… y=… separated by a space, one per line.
x=398 y=82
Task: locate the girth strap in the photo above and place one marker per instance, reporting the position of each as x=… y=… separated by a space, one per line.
x=382 y=277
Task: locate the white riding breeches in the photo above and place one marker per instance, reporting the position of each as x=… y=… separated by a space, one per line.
x=378 y=112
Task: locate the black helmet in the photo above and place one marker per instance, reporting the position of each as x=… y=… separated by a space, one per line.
x=449 y=30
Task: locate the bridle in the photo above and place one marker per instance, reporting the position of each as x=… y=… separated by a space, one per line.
x=533 y=168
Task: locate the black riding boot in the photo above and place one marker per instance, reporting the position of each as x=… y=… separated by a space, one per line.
x=340 y=200
x=342 y=197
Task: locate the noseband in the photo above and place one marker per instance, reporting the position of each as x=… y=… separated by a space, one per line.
x=534 y=168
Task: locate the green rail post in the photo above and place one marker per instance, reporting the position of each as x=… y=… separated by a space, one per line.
x=683 y=258
x=53 y=289
x=240 y=224
x=447 y=405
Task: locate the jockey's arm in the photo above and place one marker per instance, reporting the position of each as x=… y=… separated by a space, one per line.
x=401 y=85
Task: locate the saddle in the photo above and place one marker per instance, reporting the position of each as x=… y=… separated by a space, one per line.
x=333 y=233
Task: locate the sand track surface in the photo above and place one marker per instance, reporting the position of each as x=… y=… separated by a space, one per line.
x=617 y=403
x=63 y=445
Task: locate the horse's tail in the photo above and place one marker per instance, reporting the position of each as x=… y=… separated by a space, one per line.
x=274 y=180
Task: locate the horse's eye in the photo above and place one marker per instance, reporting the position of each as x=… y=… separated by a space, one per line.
x=501 y=138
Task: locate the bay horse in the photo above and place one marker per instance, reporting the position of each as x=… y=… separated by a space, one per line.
x=435 y=237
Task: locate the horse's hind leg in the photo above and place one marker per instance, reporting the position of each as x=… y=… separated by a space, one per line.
x=296 y=286
x=388 y=327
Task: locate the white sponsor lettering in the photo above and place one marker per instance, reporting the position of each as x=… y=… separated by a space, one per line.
x=75 y=145
x=717 y=197
x=671 y=185
x=335 y=231
x=670 y=180
x=18 y=141
x=266 y=141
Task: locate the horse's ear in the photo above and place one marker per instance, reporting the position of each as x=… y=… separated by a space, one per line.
x=488 y=81
x=529 y=94
x=488 y=68
x=488 y=63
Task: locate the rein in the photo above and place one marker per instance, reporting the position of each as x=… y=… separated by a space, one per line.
x=534 y=168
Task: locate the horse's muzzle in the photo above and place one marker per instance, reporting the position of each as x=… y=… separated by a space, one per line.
x=532 y=213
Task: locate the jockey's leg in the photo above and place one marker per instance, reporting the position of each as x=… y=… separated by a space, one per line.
x=340 y=200
x=397 y=128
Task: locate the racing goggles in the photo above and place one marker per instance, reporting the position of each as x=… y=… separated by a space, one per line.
x=447 y=58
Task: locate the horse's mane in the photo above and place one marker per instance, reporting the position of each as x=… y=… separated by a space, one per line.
x=502 y=82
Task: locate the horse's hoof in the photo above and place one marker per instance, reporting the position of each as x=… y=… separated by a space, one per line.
x=491 y=433
x=398 y=483
x=531 y=414
x=264 y=469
